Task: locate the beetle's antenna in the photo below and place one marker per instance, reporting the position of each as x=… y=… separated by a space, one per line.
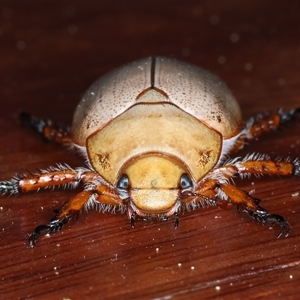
x=132 y=220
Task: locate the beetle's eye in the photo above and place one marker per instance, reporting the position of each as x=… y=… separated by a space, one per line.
x=185 y=182
x=123 y=182
x=122 y=186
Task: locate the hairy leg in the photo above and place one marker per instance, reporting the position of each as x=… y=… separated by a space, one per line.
x=263 y=123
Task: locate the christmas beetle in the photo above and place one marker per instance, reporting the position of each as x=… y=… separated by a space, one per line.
x=156 y=135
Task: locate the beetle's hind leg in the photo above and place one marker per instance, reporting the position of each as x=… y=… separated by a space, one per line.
x=262 y=124
x=50 y=131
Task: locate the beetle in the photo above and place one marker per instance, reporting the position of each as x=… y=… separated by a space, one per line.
x=156 y=135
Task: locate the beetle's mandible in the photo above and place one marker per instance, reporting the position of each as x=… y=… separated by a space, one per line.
x=156 y=135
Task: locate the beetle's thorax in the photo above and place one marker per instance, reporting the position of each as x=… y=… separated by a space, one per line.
x=146 y=128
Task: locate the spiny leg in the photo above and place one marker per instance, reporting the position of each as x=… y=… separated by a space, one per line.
x=263 y=124
x=216 y=189
x=258 y=165
x=47 y=129
x=101 y=195
x=59 y=176
x=64 y=176
x=249 y=205
x=62 y=217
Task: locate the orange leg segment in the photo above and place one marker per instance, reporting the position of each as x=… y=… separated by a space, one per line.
x=259 y=165
x=95 y=194
x=264 y=124
x=216 y=189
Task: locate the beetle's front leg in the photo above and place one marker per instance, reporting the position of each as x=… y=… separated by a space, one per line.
x=264 y=218
x=250 y=205
x=62 y=217
x=102 y=196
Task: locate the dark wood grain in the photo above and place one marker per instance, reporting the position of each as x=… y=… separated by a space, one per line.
x=50 y=54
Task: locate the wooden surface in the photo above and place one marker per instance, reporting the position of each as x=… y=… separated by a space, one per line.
x=50 y=54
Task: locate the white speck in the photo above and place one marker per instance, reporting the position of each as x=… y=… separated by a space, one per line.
x=214 y=20
x=47 y=235
x=218 y=217
x=221 y=59
x=42 y=208
x=179 y=265
x=57 y=245
x=1 y=208
x=157 y=250
x=218 y=288
x=234 y=37
x=141 y=68
x=192 y=268
x=115 y=257
x=291 y=276
x=21 y=45
x=248 y=67
x=296 y=194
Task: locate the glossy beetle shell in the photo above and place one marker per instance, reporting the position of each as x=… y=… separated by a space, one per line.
x=156 y=105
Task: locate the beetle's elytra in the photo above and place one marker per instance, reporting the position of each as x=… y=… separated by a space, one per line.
x=156 y=135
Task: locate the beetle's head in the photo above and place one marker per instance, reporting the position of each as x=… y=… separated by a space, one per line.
x=152 y=185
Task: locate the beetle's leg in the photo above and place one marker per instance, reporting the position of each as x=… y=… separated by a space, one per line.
x=102 y=196
x=248 y=204
x=47 y=129
x=216 y=189
x=263 y=124
x=59 y=176
x=258 y=164
x=225 y=195
x=62 y=217
x=96 y=194
x=269 y=219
